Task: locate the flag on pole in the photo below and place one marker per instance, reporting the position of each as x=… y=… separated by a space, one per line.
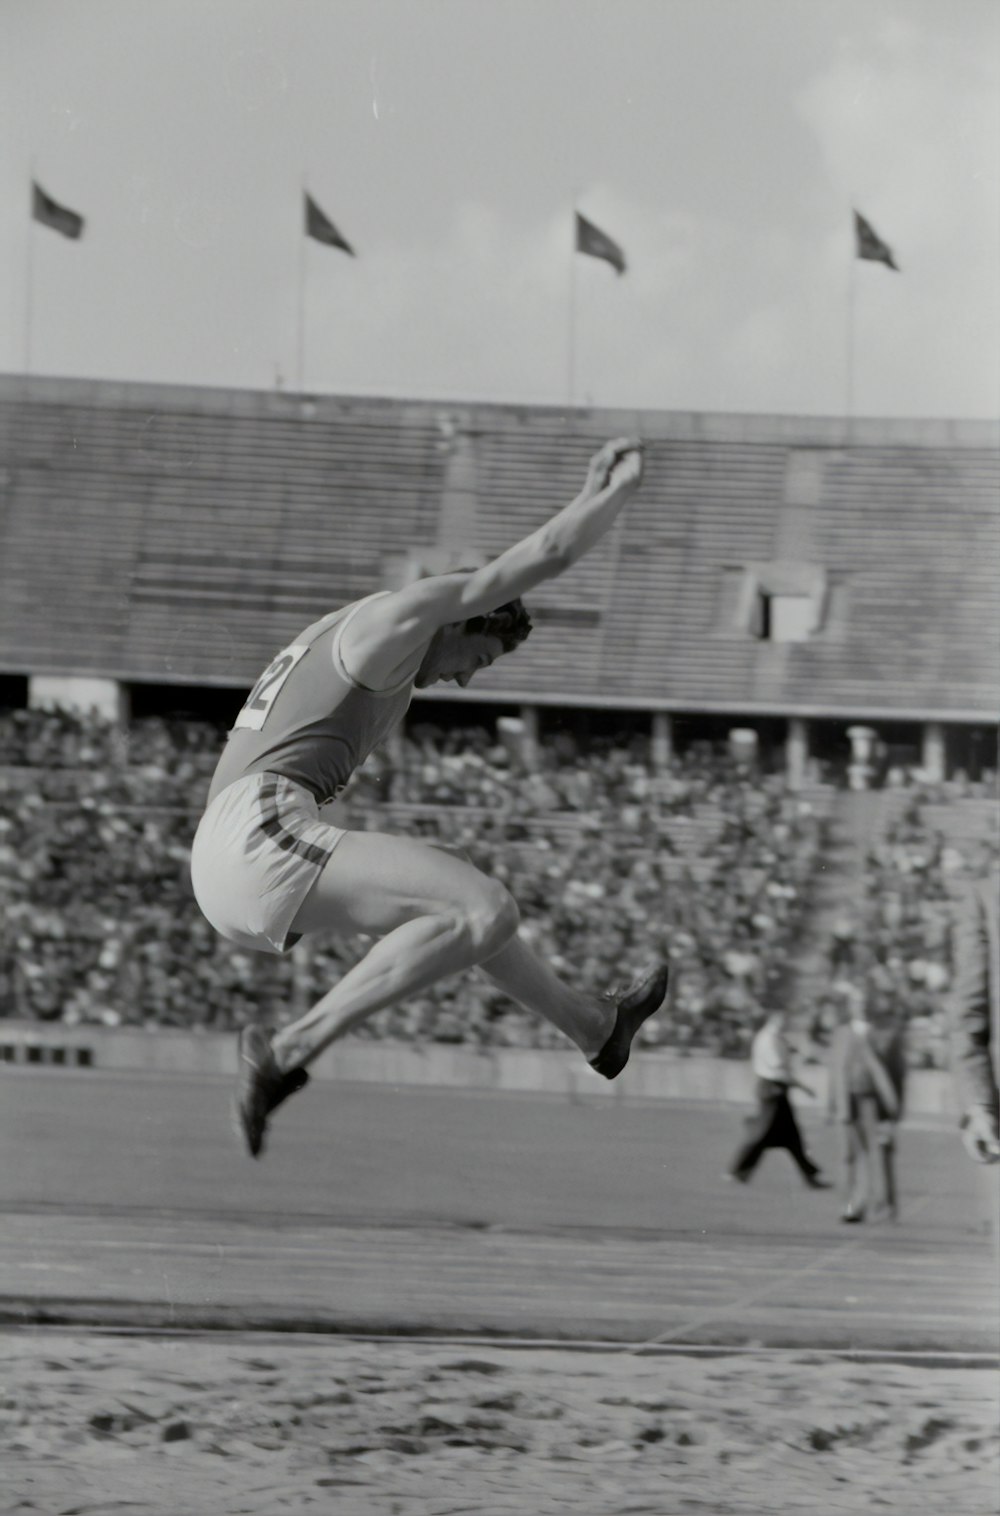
x=50 y=213
x=869 y=244
x=597 y=244
x=322 y=228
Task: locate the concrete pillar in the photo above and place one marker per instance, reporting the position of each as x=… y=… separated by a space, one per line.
x=797 y=752
x=860 y=769
x=933 y=757
x=107 y=697
x=743 y=744
x=663 y=742
x=529 y=736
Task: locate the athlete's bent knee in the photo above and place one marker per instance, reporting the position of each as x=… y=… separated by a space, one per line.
x=492 y=921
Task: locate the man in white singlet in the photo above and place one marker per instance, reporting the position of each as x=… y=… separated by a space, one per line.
x=266 y=870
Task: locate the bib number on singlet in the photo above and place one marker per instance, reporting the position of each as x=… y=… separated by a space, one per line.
x=261 y=698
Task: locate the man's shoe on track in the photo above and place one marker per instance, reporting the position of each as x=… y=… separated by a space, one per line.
x=261 y=1086
x=633 y=1008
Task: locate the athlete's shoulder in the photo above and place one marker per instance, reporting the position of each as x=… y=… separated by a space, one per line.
x=329 y=622
x=367 y=650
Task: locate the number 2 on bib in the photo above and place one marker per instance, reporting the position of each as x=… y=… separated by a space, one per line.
x=261 y=698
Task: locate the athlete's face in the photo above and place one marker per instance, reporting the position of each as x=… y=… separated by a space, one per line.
x=455 y=655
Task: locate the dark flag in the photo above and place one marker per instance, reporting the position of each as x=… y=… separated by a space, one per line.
x=322 y=228
x=869 y=244
x=597 y=244
x=50 y=213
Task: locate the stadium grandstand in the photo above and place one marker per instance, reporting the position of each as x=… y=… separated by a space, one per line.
x=769 y=700
x=802 y=571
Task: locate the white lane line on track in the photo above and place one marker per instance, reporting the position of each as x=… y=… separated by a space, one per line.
x=606 y=1257
x=669 y=1273
x=933 y=1357
x=737 y=1306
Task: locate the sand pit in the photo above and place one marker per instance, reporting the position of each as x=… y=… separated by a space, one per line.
x=99 y=1424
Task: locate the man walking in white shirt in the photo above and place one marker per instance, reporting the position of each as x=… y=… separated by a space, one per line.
x=773 y=1125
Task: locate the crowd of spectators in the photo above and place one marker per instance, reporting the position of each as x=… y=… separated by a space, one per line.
x=611 y=863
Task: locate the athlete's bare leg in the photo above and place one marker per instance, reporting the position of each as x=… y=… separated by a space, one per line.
x=435 y=914
x=526 y=978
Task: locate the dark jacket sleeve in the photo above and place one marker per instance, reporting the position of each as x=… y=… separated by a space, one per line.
x=970 y=1004
x=894 y=1060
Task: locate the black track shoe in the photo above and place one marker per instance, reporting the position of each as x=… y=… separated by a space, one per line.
x=633 y=1008
x=261 y=1087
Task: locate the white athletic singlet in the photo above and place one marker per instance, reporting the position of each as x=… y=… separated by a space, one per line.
x=307 y=718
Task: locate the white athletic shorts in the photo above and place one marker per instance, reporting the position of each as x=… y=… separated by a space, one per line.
x=258 y=850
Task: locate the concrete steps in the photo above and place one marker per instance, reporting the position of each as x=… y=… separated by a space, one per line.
x=855 y=822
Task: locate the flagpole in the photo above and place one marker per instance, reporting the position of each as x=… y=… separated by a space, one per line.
x=300 y=357
x=29 y=276
x=571 y=371
x=851 y=302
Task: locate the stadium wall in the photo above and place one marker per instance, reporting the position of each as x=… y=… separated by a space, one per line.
x=652 y=1075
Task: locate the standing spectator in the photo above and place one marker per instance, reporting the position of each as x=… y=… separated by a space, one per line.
x=867 y=1070
x=774 y=1124
x=974 y=1018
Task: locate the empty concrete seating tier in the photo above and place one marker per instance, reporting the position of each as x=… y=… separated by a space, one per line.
x=182 y=535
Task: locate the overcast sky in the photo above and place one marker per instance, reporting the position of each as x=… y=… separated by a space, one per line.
x=722 y=143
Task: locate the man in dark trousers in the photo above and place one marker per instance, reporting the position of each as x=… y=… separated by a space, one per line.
x=774 y=1124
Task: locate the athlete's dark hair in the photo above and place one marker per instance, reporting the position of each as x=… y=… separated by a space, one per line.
x=510 y=622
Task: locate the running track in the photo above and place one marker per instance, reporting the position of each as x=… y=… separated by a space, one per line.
x=125 y=1200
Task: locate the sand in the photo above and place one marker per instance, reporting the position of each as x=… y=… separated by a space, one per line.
x=132 y=1424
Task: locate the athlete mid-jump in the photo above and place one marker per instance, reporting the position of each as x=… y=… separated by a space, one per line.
x=267 y=870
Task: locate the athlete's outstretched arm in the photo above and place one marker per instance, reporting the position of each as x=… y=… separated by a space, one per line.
x=398 y=622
